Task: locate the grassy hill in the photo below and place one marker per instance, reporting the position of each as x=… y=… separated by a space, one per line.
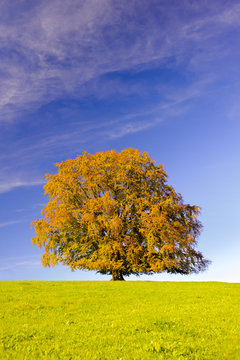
x=119 y=320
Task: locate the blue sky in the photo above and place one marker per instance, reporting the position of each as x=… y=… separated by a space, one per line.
x=160 y=76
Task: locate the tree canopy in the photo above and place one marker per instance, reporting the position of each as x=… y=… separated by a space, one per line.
x=115 y=213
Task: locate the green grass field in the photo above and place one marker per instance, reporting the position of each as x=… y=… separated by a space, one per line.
x=119 y=320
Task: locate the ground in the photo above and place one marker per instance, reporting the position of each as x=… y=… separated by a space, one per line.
x=119 y=320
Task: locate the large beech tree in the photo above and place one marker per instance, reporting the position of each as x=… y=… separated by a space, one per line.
x=115 y=213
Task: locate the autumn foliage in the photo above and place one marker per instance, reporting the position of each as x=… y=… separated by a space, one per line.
x=115 y=213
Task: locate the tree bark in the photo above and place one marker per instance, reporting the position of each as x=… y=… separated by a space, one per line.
x=117 y=275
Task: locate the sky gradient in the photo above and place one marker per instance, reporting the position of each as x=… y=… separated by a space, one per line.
x=159 y=76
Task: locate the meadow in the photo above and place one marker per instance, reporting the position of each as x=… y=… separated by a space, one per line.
x=119 y=320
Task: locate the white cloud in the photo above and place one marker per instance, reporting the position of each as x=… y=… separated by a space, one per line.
x=7 y=223
x=22 y=265
x=130 y=128
x=20 y=164
x=7 y=185
x=53 y=48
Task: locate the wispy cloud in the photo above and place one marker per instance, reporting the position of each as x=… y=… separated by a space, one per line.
x=6 y=186
x=130 y=128
x=21 y=165
x=26 y=154
x=76 y=50
x=8 y=223
x=24 y=263
x=51 y=49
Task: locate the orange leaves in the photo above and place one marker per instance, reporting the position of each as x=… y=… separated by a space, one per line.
x=49 y=259
x=115 y=212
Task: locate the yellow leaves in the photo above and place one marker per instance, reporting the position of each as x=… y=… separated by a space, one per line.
x=113 y=211
x=49 y=260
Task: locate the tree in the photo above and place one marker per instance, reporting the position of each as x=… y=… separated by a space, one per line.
x=115 y=213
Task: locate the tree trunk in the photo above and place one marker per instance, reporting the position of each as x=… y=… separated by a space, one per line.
x=117 y=275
